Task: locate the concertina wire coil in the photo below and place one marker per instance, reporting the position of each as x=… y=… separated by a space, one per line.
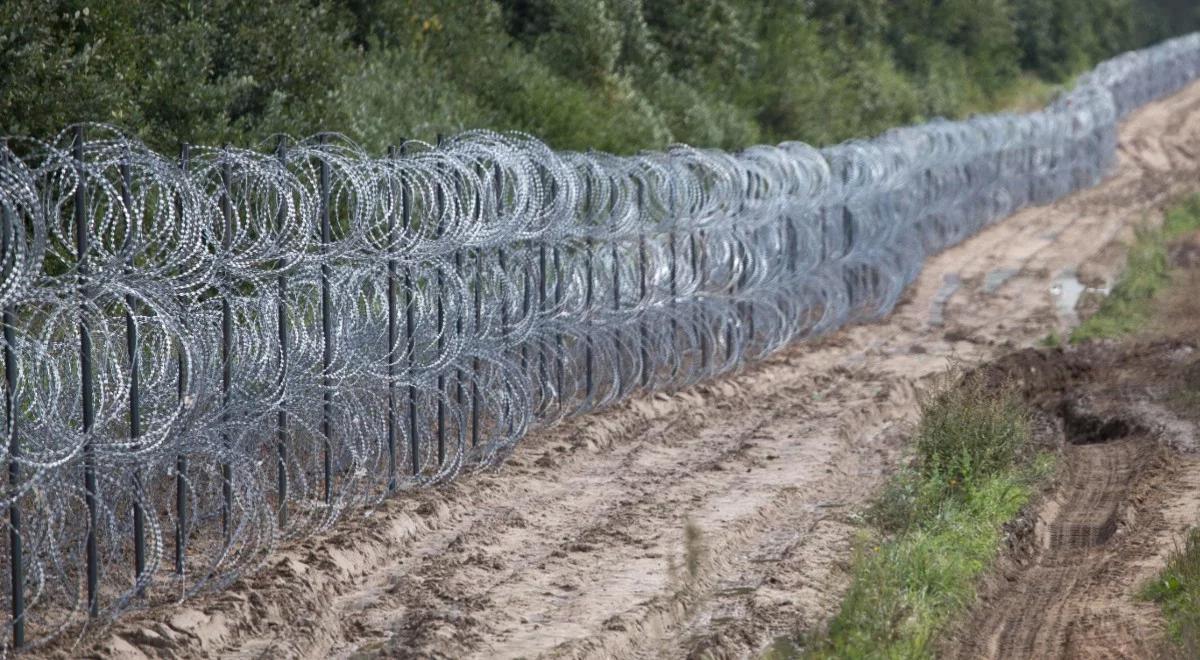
x=210 y=354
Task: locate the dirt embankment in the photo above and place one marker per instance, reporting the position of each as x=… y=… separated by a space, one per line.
x=1128 y=489
x=707 y=520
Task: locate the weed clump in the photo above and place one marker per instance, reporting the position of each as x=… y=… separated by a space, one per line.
x=938 y=523
x=969 y=430
x=1128 y=308
x=1177 y=591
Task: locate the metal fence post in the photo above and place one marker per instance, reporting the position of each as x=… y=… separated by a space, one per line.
x=226 y=351
x=135 y=392
x=410 y=329
x=441 y=329
x=643 y=287
x=16 y=557
x=672 y=286
x=734 y=276
x=392 y=337
x=281 y=425
x=326 y=330
x=697 y=239
x=559 y=365
x=82 y=246
x=502 y=262
x=459 y=319
x=476 y=365
x=181 y=463
x=543 y=373
x=477 y=316
x=588 y=291
x=616 y=275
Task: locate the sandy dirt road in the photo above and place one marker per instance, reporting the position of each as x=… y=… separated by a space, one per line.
x=709 y=520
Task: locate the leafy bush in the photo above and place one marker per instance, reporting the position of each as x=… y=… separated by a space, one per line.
x=620 y=75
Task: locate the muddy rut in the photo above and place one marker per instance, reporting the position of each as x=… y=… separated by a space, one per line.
x=709 y=520
x=1035 y=617
x=1127 y=490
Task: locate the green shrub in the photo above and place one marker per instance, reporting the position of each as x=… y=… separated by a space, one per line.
x=1177 y=591
x=621 y=75
x=970 y=430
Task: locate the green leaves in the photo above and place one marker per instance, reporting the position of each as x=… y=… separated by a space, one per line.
x=620 y=75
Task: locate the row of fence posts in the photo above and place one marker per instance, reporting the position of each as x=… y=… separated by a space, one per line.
x=546 y=260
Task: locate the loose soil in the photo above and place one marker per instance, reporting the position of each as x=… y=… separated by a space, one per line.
x=706 y=521
x=1127 y=491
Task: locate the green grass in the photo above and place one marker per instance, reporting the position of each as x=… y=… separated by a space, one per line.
x=1026 y=93
x=1129 y=307
x=1177 y=591
x=1051 y=340
x=938 y=525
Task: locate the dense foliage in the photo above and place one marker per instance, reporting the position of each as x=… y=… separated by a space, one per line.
x=618 y=75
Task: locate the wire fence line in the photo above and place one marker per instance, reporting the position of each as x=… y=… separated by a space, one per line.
x=210 y=353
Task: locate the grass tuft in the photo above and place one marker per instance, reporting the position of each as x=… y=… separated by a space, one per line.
x=968 y=432
x=1128 y=308
x=1177 y=592
x=693 y=543
x=1051 y=340
x=938 y=524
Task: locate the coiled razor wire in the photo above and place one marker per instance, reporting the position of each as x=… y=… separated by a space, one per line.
x=207 y=355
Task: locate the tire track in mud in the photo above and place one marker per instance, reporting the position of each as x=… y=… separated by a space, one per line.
x=1127 y=488
x=578 y=546
x=1033 y=619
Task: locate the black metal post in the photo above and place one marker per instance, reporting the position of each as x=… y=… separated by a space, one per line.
x=559 y=365
x=543 y=374
x=135 y=386
x=502 y=262
x=460 y=393
x=392 y=337
x=643 y=287
x=643 y=294
x=281 y=425
x=181 y=463
x=477 y=317
x=441 y=332
x=616 y=266
x=226 y=352
x=588 y=291
x=326 y=331
x=82 y=246
x=733 y=290
x=701 y=283
x=672 y=288
x=476 y=365
x=16 y=557
x=410 y=331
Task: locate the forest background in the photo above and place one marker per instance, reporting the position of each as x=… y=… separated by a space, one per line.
x=615 y=75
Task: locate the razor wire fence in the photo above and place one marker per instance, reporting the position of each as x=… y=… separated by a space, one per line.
x=211 y=353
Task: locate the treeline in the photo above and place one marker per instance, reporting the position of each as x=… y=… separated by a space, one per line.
x=617 y=75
